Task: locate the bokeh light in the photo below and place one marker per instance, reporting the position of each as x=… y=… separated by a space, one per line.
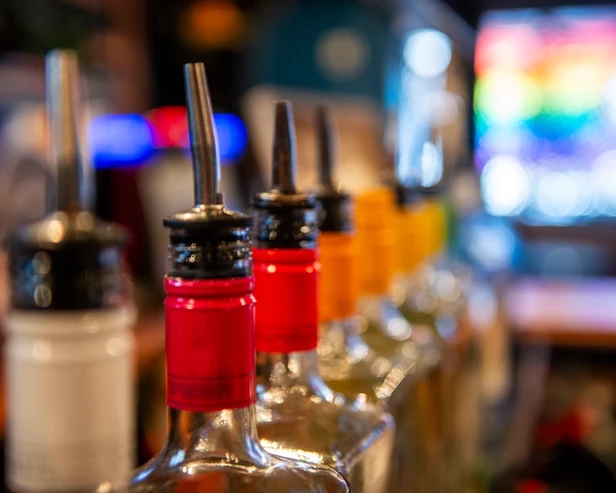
x=427 y=52
x=506 y=96
x=505 y=186
x=545 y=113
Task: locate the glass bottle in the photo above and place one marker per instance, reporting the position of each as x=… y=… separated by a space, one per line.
x=429 y=289
x=348 y=365
x=298 y=415
x=69 y=348
x=385 y=328
x=387 y=331
x=212 y=444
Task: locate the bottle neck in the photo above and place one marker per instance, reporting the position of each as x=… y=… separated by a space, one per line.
x=217 y=433
x=211 y=369
x=281 y=373
x=287 y=324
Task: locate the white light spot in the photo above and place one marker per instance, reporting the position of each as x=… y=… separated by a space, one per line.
x=398 y=328
x=55 y=230
x=427 y=52
x=431 y=165
x=560 y=195
x=505 y=186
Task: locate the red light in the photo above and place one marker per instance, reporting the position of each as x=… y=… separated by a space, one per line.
x=170 y=127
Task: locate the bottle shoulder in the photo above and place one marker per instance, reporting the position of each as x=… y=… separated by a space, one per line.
x=309 y=428
x=227 y=475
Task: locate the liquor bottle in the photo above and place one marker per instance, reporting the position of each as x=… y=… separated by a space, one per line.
x=432 y=286
x=418 y=302
x=385 y=328
x=212 y=444
x=431 y=292
x=69 y=349
x=348 y=365
x=298 y=415
x=387 y=331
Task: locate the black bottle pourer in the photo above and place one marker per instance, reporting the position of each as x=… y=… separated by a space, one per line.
x=207 y=241
x=336 y=204
x=284 y=217
x=407 y=196
x=70 y=260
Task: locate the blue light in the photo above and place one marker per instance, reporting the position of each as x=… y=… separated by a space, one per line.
x=232 y=136
x=126 y=140
x=119 y=140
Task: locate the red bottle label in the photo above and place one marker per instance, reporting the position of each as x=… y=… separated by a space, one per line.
x=210 y=343
x=286 y=293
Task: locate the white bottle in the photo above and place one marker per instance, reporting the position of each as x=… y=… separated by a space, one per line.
x=69 y=348
x=70 y=393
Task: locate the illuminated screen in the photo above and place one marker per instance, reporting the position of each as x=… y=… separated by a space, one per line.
x=545 y=114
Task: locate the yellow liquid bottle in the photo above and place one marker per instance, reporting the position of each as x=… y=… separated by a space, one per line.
x=429 y=290
x=384 y=327
x=387 y=331
x=356 y=355
x=348 y=364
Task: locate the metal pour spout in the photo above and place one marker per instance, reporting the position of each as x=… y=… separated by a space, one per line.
x=63 y=97
x=203 y=140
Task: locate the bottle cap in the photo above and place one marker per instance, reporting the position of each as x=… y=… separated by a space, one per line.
x=374 y=221
x=421 y=226
x=284 y=217
x=338 y=284
x=71 y=259
x=207 y=241
x=413 y=230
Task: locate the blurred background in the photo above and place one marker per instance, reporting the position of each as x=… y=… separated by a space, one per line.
x=508 y=107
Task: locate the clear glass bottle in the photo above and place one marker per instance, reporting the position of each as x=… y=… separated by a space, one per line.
x=298 y=415
x=387 y=331
x=430 y=290
x=428 y=287
x=384 y=326
x=69 y=346
x=212 y=444
x=348 y=365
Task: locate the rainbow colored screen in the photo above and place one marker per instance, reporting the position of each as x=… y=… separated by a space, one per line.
x=545 y=113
